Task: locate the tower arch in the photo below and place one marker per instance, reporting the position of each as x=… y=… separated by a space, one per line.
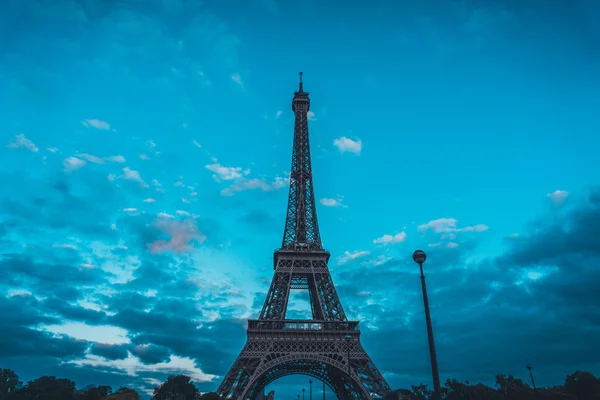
x=334 y=373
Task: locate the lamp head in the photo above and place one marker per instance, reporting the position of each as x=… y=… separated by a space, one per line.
x=419 y=256
x=348 y=338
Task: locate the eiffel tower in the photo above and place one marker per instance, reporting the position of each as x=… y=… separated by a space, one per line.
x=326 y=347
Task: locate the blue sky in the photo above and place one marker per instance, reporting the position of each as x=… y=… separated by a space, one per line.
x=145 y=150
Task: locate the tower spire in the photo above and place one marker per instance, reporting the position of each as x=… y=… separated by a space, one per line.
x=301 y=228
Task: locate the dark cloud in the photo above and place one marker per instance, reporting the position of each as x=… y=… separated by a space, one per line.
x=19 y=338
x=494 y=314
x=23 y=270
x=561 y=241
x=57 y=306
x=151 y=354
x=110 y=351
x=60 y=209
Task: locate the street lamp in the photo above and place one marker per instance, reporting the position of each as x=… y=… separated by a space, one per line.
x=302 y=393
x=348 y=339
x=310 y=386
x=419 y=256
x=531 y=375
x=323 y=389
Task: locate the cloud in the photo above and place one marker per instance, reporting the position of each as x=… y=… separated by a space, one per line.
x=278 y=114
x=380 y=260
x=226 y=173
x=107 y=335
x=21 y=142
x=109 y=351
x=182 y=235
x=133 y=366
x=445 y=225
x=133 y=176
x=558 y=197
x=246 y=184
x=91 y=158
x=72 y=164
x=96 y=124
x=351 y=256
x=237 y=79
x=348 y=145
x=151 y=354
x=118 y=159
x=280 y=182
x=241 y=185
x=385 y=239
x=328 y=202
x=197 y=144
x=311 y=116
x=99 y=160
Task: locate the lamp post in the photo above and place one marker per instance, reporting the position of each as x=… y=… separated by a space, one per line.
x=419 y=256
x=531 y=375
x=348 y=339
x=310 y=389
x=323 y=389
x=302 y=393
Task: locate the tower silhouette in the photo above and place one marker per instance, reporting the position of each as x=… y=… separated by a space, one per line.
x=327 y=346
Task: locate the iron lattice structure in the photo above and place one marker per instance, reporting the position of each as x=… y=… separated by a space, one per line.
x=324 y=346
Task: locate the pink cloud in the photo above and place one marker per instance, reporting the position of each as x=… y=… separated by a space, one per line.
x=183 y=235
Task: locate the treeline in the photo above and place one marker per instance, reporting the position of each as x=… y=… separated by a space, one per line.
x=578 y=386
x=178 y=387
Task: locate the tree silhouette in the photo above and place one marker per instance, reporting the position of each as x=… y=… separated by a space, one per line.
x=511 y=386
x=94 y=393
x=583 y=385
x=48 y=388
x=124 y=390
x=9 y=383
x=179 y=387
x=421 y=392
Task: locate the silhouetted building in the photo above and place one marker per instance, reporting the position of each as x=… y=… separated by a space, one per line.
x=270 y=396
